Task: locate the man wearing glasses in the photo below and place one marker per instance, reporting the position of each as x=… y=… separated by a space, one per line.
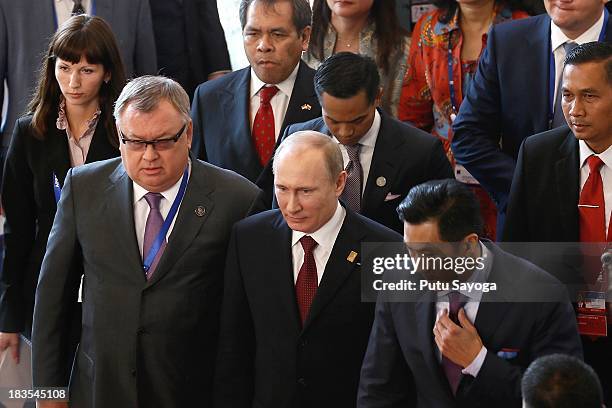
x=151 y=230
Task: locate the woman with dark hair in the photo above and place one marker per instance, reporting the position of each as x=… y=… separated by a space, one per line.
x=446 y=46
x=69 y=123
x=368 y=27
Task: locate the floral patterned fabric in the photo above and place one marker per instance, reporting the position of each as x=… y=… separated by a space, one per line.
x=392 y=83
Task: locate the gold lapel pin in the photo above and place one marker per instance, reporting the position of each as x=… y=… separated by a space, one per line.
x=352 y=256
x=306 y=106
x=200 y=211
x=381 y=181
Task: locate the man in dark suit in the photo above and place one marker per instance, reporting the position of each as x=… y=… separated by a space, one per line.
x=274 y=91
x=293 y=327
x=390 y=157
x=151 y=230
x=514 y=93
x=461 y=347
x=547 y=200
x=190 y=41
x=27 y=26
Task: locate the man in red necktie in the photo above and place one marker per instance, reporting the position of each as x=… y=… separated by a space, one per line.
x=293 y=327
x=562 y=188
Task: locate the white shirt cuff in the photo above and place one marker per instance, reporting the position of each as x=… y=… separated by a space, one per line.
x=474 y=368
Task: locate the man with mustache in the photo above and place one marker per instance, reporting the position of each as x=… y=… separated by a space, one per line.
x=238 y=119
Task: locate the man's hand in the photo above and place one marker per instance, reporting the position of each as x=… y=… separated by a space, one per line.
x=10 y=341
x=51 y=404
x=460 y=344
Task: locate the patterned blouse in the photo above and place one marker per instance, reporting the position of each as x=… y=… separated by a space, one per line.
x=392 y=84
x=425 y=97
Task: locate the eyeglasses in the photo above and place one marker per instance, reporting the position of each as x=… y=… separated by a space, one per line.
x=138 y=145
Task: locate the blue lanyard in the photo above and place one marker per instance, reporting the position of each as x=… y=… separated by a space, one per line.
x=161 y=236
x=552 y=72
x=93 y=11
x=451 y=81
x=57 y=189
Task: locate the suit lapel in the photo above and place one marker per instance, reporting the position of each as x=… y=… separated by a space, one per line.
x=281 y=279
x=58 y=153
x=302 y=97
x=338 y=267
x=424 y=311
x=383 y=160
x=188 y=223
x=100 y=148
x=119 y=208
x=567 y=180
x=236 y=103
x=539 y=46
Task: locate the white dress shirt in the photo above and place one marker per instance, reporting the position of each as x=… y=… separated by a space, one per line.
x=605 y=171
x=368 y=142
x=63 y=9
x=325 y=238
x=557 y=39
x=279 y=102
x=470 y=308
x=141 y=209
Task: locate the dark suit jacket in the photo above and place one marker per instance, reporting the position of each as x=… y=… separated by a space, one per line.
x=143 y=343
x=404 y=155
x=29 y=204
x=222 y=128
x=190 y=40
x=508 y=100
x=266 y=359
x=402 y=348
x=543 y=208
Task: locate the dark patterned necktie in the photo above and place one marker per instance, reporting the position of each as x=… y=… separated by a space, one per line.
x=78 y=8
x=452 y=370
x=351 y=195
x=307 y=281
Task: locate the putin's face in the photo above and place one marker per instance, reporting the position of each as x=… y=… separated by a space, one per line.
x=306 y=193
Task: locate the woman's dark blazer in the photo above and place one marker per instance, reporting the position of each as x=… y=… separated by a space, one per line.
x=29 y=205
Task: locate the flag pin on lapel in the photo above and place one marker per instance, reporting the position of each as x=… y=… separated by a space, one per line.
x=351 y=256
x=306 y=106
x=200 y=211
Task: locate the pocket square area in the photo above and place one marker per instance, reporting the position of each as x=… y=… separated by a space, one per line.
x=392 y=196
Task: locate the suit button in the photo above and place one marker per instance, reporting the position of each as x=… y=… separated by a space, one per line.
x=302 y=382
x=141 y=331
x=133 y=373
x=303 y=343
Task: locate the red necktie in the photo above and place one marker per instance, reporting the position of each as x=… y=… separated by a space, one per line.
x=592 y=207
x=307 y=281
x=263 y=126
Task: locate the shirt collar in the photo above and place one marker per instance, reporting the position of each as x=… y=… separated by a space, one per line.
x=557 y=38
x=479 y=275
x=62 y=120
x=369 y=139
x=169 y=194
x=286 y=86
x=585 y=152
x=326 y=235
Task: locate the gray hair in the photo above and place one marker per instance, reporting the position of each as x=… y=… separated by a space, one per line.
x=302 y=13
x=310 y=139
x=146 y=92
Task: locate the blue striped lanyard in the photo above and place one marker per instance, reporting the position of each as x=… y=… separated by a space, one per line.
x=161 y=236
x=57 y=189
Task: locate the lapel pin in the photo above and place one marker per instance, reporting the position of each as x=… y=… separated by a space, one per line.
x=306 y=106
x=352 y=256
x=381 y=181
x=200 y=211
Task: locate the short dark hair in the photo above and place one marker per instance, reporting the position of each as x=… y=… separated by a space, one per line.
x=592 y=52
x=302 y=14
x=450 y=203
x=561 y=381
x=344 y=75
